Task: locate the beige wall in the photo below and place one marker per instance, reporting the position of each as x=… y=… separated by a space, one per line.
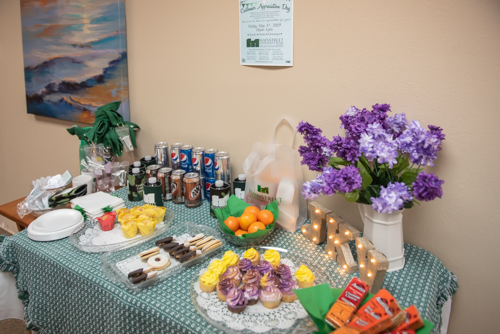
x=437 y=61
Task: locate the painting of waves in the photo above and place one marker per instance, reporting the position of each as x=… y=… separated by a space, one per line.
x=75 y=57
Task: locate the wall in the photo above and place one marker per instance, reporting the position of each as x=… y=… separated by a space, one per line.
x=437 y=61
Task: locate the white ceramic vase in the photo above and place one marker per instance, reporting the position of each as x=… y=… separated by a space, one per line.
x=385 y=231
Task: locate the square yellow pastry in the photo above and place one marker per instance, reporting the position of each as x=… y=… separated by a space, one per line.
x=129 y=229
x=146 y=226
x=159 y=213
x=125 y=218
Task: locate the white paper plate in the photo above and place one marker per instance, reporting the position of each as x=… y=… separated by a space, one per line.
x=57 y=220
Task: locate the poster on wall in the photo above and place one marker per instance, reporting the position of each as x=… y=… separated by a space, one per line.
x=266 y=32
x=75 y=57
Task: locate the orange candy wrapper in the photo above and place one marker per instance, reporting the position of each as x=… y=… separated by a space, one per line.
x=348 y=302
x=410 y=331
x=383 y=299
x=413 y=320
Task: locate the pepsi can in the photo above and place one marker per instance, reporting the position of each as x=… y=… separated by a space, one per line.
x=210 y=163
x=208 y=182
x=175 y=155
x=198 y=160
x=186 y=156
x=222 y=167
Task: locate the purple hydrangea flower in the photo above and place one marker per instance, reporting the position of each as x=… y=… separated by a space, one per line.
x=422 y=145
x=345 y=147
x=312 y=154
x=376 y=143
x=427 y=187
x=332 y=180
x=396 y=124
x=392 y=198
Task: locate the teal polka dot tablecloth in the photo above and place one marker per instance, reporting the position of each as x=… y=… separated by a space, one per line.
x=64 y=290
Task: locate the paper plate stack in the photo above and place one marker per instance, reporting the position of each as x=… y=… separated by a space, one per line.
x=94 y=203
x=55 y=225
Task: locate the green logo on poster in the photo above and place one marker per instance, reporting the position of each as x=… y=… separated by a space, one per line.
x=252 y=44
x=263 y=190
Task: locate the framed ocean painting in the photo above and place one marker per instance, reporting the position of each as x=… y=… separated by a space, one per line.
x=75 y=57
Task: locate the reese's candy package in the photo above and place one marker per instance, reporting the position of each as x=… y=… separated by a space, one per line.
x=413 y=320
x=383 y=299
x=350 y=299
x=374 y=321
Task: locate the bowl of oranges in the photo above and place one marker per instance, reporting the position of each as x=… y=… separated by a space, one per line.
x=246 y=225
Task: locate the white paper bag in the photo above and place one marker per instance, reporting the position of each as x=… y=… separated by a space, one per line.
x=273 y=172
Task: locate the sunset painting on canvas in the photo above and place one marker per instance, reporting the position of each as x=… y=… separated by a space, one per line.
x=75 y=57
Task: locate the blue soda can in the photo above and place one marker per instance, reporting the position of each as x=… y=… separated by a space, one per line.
x=210 y=163
x=186 y=156
x=208 y=182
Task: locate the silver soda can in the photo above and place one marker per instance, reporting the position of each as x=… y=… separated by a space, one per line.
x=177 y=186
x=192 y=190
x=203 y=192
x=222 y=167
x=161 y=154
x=175 y=155
x=199 y=160
x=152 y=171
x=164 y=176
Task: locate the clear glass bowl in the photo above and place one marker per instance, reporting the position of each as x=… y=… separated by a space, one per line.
x=116 y=262
x=92 y=224
x=301 y=325
x=246 y=242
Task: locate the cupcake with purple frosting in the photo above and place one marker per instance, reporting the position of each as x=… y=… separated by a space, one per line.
x=234 y=274
x=268 y=279
x=252 y=277
x=283 y=272
x=264 y=267
x=270 y=296
x=223 y=287
x=286 y=287
x=245 y=265
x=236 y=300
x=251 y=292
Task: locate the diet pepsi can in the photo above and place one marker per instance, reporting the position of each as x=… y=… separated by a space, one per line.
x=210 y=162
x=222 y=167
x=175 y=154
x=161 y=154
x=208 y=182
x=186 y=156
x=198 y=160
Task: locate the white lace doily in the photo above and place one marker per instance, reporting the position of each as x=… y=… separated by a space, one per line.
x=256 y=318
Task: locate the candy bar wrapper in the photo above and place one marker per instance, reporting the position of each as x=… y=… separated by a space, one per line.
x=372 y=322
x=348 y=302
x=410 y=331
x=413 y=320
x=107 y=221
x=385 y=300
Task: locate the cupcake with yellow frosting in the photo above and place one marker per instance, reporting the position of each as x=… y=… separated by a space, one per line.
x=230 y=259
x=208 y=281
x=218 y=266
x=273 y=257
x=305 y=277
x=252 y=255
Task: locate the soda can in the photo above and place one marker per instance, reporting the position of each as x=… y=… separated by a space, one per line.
x=177 y=186
x=210 y=162
x=203 y=191
x=199 y=160
x=222 y=167
x=161 y=154
x=192 y=190
x=208 y=183
x=186 y=156
x=175 y=153
x=164 y=176
x=152 y=171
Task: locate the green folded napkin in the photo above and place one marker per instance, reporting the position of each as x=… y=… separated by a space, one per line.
x=318 y=300
x=235 y=207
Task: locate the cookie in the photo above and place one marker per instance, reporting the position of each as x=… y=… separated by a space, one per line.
x=139 y=272
x=144 y=277
x=176 y=248
x=164 y=241
x=202 y=242
x=211 y=245
x=183 y=251
x=150 y=252
x=170 y=245
x=188 y=256
x=159 y=262
x=195 y=238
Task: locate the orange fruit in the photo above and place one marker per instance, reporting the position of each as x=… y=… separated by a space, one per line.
x=266 y=217
x=239 y=220
x=239 y=233
x=253 y=209
x=246 y=220
x=255 y=227
x=232 y=223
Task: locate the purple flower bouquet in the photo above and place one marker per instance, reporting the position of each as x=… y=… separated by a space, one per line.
x=378 y=162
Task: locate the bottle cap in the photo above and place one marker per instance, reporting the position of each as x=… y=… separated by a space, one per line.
x=219 y=183
x=137 y=164
x=152 y=180
x=136 y=170
x=147 y=157
x=242 y=177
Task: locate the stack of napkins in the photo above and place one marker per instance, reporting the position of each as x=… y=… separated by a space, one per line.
x=94 y=203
